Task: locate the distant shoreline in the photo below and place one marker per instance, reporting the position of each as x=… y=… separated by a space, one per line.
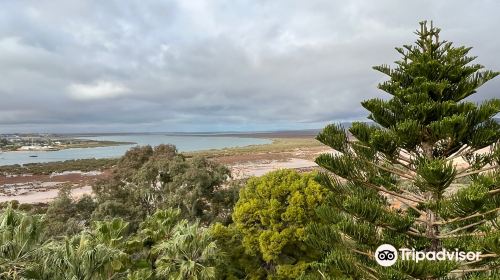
x=244 y=134
x=40 y=182
x=82 y=145
x=116 y=146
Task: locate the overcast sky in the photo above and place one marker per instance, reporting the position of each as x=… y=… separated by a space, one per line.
x=189 y=65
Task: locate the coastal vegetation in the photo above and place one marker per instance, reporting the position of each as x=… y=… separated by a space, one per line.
x=146 y=179
x=278 y=145
x=84 y=165
x=164 y=215
x=272 y=222
x=149 y=220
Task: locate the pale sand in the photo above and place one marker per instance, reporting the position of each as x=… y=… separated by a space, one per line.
x=46 y=196
x=246 y=170
x=238 y=170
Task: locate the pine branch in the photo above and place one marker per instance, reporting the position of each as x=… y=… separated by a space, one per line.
x=488 y=256
x=416 y=234
x=362 y=253
x=403 y=158
x=426 y=222
x=398 y=197
x=459 y=153
x=461 y=235
x=415 y=230
x=403 y=161
x=480 y=260
x=463 y=271
x=461 y=174
x=403 y=152
x=486 y=268
x=368 y=273
x=322 y=274
x=466 y=218
x=407 y=166
x=464 y=228
x=382 y=189
x=412 y=231
x=495 y=191
x=400 y=156
x=393 y=171
x=416 y=196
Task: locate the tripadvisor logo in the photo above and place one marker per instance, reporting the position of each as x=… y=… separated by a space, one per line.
x=387 y=255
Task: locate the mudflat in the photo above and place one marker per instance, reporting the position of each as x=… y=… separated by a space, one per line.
x=289 y=151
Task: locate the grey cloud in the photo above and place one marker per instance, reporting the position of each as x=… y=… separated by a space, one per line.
x=212 y=65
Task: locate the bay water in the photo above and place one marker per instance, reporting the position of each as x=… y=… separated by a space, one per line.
x=183 y=144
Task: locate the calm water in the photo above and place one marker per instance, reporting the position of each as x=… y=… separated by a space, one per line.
x=183 y=143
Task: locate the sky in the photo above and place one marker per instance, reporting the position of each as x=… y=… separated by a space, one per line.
x=221 y=65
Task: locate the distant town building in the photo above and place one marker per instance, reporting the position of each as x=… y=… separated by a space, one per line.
x=36 y=148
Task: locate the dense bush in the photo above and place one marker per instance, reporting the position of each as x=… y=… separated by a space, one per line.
x=147 y=179
x=270 y=219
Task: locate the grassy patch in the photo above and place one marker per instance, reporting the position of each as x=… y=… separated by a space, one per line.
x=278 y=145
x=84 y=165
x=93 y=144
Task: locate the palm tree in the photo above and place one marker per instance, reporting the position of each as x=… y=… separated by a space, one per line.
x=81 y=257
x=189 y=254
x=159 y=226
x=20 y=237
x=156 y=228
x=110 y=233
x=88 y=255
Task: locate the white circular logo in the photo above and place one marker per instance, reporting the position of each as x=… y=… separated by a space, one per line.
x=386 y=255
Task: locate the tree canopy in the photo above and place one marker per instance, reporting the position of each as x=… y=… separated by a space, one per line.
x=399 y=181
x=272 y=214
x=147 y=179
